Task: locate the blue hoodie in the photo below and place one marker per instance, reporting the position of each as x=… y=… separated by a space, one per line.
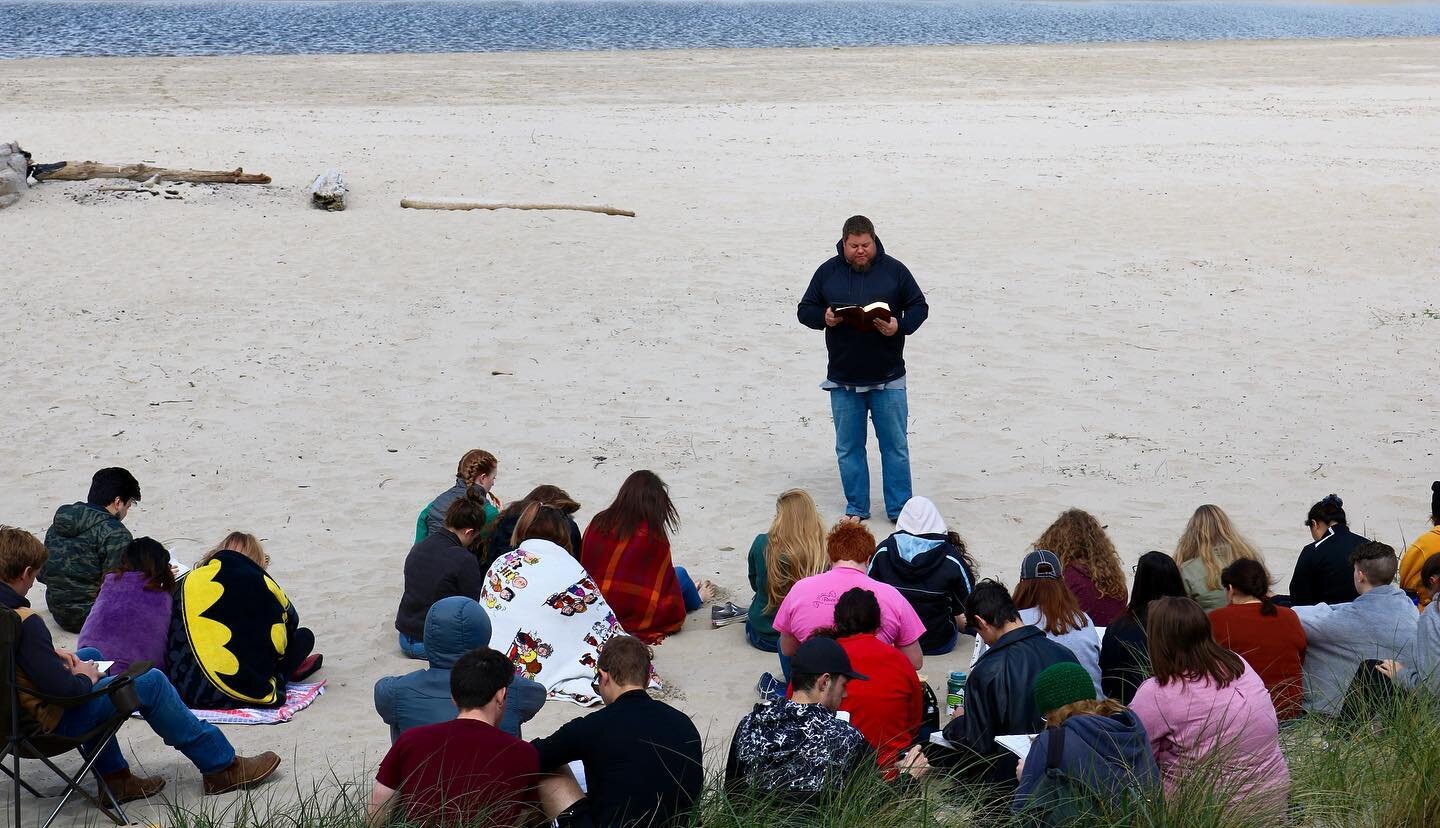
x=1107 y=757
x=453 y=626
x=864 y=357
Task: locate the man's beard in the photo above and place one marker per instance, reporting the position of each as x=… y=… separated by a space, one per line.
x=862 y=267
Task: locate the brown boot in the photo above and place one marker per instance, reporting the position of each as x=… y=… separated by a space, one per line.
x=128 y=787
x=242 y=773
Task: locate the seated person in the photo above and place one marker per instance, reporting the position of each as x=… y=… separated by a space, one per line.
x=627 y=551
x=1268 y=637
x=1322 y=572
x=793 y=548
x=131 y=617
x=798 y=749
x=545 y=611
x=887 y=708
x=1125 y=652
x=501 y=536
x=1424 y=669
x=643 y=758
x=438 y=567
x=235 y=639
x=1045 y=601
x=1016 y=654
x=1104 y=752
x=1417 y=553
x=85 y=541
x=1380 y=624
x=54 y=672
x=465 y=771
x=476 y=470
x=1209 y=718
x=810 y=603
x=931 y=567
x=453 y=627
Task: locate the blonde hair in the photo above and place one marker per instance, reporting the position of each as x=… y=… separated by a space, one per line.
x=244 y=543
x=795 y=546
x=1084 y=707
x=1213 y=540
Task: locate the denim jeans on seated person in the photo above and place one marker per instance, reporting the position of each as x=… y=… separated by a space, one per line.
x=688 y=590
x=889 y=410
x=412 y=648
x=201 y=742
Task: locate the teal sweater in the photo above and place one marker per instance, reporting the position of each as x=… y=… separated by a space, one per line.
x=762 y=624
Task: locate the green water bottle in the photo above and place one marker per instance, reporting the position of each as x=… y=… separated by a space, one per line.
x=955 y=692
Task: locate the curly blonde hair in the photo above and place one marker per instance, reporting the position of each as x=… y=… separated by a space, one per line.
x=1078 y=538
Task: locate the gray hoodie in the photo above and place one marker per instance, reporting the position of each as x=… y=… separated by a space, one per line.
x=1381 y=624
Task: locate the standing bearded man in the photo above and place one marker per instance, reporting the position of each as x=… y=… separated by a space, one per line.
x=866 y=370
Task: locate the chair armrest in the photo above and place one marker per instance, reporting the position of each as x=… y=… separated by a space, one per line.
x=121 y=691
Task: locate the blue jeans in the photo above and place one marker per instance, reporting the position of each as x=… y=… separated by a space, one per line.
x=412 y=648
x=943 y=648
x=688 y=589
x=201 y=742
x=889 y=410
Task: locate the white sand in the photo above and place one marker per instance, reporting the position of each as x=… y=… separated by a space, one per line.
x=1160 y=275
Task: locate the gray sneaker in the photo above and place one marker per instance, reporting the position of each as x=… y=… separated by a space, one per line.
x=726 y=613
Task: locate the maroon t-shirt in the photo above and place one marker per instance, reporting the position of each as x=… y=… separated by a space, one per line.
x=1274 y=645
x=461 y=772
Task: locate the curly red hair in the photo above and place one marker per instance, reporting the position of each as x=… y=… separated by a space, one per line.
x=850 y=541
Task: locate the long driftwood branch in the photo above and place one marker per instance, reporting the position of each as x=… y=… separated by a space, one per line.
x=450 y=204
x=86 y=170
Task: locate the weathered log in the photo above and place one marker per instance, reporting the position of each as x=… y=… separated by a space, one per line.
x=450 y=204
x=328 y=191
x=86 y=170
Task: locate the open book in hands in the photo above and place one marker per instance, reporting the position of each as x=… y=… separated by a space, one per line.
x=863 y=318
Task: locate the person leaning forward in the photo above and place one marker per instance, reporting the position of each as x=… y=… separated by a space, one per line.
x=865 y=374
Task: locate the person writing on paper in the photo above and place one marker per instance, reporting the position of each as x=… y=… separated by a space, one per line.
x=1099 y=746
x=131 y=617
x=1016 y=654
x=865 y=374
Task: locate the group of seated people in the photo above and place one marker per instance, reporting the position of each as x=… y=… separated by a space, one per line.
x=222 y=635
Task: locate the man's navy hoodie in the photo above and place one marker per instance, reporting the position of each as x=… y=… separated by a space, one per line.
x=864 y=357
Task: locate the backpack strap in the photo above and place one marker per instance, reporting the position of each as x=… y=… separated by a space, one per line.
x=1055 y=748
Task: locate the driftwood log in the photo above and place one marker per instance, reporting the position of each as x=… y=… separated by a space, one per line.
x=451 y=204
x=86 y=170
x=328 y=191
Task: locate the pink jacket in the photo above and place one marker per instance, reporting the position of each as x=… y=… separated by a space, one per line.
x=1229 y=735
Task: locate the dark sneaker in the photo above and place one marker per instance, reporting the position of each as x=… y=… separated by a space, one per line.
x=726 y=613
x=308 y=667
x=770 y=689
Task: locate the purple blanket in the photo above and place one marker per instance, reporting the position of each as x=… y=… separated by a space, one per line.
x=128 y=622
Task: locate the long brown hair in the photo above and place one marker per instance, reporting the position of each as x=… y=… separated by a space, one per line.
x=794 y=547
x=1057 y=604
x=643 y=500
x=1078 y=538
x=544 y=522
x=1213 y=540
x=1183 y=648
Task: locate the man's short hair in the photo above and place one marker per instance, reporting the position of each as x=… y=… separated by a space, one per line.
x=804 y=682
x=991 y=601
x=19 y=549
x=627 y=660
x=850 y=541
x=857 y=226
x=1376 y=561
x=477 y=676
x=108 y=484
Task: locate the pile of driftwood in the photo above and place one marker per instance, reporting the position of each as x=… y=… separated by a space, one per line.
x=327 y=192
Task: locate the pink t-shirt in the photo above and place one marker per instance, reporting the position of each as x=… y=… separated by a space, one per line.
x=810 y=605
x=1188 y=721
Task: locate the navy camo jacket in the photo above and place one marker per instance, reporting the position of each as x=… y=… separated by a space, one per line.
x=794 y=750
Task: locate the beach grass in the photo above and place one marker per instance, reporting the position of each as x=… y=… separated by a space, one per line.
x=1379 y=774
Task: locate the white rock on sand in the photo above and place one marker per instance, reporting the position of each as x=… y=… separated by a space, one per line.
x=1160 y=275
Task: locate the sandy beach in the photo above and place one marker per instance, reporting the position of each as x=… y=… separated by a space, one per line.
x=1159 y=276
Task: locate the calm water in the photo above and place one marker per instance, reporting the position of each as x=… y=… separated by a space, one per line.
x=29 y=29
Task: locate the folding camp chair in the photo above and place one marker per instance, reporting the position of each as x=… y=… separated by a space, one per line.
x=26 y=739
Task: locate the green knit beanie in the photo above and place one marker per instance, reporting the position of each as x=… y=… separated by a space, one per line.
x=1062 y=684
